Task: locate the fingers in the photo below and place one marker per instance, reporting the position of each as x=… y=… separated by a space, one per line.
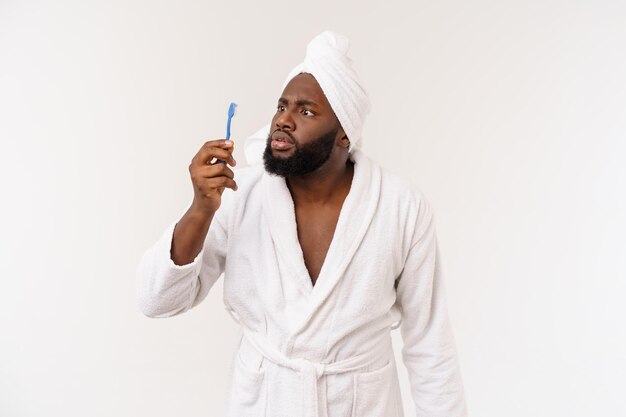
x=218 y=149
x=210 y=171
x=206 y=178
x=209 y=176
x=209 y=185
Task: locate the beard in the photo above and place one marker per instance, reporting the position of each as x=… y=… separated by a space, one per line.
x=305 y=159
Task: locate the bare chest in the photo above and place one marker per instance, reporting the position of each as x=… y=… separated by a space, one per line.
x=316 y=228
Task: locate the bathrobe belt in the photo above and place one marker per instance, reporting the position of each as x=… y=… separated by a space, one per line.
x=310 y=371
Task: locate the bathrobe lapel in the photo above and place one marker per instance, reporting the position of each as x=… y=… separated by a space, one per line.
x=355 y=217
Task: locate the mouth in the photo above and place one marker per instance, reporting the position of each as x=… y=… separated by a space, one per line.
x=281 y=137
x=281 y=141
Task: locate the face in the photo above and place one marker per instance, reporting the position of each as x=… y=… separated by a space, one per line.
x=304 y=131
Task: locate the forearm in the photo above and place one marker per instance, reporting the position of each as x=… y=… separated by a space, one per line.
x=189 y=235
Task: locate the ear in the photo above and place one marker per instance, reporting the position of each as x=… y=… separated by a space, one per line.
x=344 y=141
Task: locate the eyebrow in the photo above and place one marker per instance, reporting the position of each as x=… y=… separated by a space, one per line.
x=300 y=102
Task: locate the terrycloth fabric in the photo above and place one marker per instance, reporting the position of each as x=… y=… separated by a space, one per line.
x=322 y=350
x=254 y=145
x=328 y=61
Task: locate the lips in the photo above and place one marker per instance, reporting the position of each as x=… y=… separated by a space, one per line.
x=282 y=137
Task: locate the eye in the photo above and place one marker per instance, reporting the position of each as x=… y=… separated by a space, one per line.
x=280 y=107
x=307 y=110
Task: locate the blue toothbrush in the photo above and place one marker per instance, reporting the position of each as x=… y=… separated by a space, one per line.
x=231 y=112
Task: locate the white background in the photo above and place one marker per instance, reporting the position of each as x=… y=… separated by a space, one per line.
x=509 y=115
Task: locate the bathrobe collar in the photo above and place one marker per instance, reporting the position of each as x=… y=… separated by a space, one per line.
x=354 y=219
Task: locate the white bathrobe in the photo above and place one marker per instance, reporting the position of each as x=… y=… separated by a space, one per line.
x=322 y=350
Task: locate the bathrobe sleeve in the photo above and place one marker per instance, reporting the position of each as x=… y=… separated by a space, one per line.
x=429 y=351
x=165 y=289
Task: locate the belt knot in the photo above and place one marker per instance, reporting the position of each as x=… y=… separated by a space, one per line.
x=311 y=368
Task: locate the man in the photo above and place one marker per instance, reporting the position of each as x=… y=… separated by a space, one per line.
x=323 y=254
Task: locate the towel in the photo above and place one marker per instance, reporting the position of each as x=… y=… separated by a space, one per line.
x=328 y=61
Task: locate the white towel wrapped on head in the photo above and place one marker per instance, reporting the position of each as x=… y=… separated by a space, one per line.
x=328 y=61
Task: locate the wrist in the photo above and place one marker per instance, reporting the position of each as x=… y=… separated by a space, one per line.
x=199 y=214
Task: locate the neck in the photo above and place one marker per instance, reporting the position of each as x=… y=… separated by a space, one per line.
x=324 y=185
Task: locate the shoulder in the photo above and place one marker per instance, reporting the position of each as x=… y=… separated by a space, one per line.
x=394 y=187
x=403 y=190
x=407 y=200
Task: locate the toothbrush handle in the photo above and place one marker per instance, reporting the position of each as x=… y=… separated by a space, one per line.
x=228 y=128
x=227 y=134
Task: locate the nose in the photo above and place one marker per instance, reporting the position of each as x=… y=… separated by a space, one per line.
x=284 y=121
